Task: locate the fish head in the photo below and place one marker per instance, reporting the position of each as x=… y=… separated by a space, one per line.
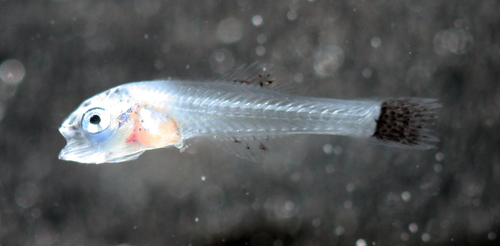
x=97 y=131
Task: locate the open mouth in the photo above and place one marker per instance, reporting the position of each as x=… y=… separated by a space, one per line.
x=76 y=149
x=81 y=154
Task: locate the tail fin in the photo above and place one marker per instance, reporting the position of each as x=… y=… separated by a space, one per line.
x=406 y=122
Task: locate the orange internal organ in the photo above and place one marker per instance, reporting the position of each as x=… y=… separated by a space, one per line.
x=153 y=128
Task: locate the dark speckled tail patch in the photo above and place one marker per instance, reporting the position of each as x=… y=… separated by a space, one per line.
x=405 y=122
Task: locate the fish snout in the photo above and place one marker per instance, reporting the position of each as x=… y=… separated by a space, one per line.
x=70 y=132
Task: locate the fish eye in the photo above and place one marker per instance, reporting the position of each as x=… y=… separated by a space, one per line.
x=96 y=120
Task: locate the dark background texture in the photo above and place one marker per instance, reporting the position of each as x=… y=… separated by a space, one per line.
x=319 y=190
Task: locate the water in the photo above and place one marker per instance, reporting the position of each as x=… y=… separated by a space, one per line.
x=317 y=190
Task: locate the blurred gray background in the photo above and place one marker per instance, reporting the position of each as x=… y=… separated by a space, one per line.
x=319 y=190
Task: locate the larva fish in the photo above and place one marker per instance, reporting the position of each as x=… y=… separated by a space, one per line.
x=121 y=123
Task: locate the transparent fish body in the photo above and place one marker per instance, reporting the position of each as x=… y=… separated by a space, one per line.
x=156 y=114
x=222 y=110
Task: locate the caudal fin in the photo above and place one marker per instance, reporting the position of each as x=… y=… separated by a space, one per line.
x=406 y=122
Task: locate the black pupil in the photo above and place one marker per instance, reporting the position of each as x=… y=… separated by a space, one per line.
x=95 y=119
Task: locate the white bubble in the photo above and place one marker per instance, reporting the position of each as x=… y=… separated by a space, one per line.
x=439 y=156
x=12 y=72
x=367 y=73
x=298 y=77
x=221 y=61
x=406 y=196
x=203 y=178
x=329 y=168
x=376 y=42
x=361 y=242
x=454 y=40
x=405 y=236
x=291 y=15
x=438 y=168
x=350 y=187
x=328 y=60
x=219 y=56
x=413 y=227
x=261 y=39
x=339 y=230
x=260 y=50
x=347 y=204
x=280 y=208
x=230 y=30
x=338 y=150
x=26 y=195
x=257 y=20
x=196 y=219
x=327 y=148
x=426 y=237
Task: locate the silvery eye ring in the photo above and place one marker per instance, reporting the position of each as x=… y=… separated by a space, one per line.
x=95 y=120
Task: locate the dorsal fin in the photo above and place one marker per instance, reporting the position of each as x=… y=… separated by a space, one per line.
x=265 y=76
